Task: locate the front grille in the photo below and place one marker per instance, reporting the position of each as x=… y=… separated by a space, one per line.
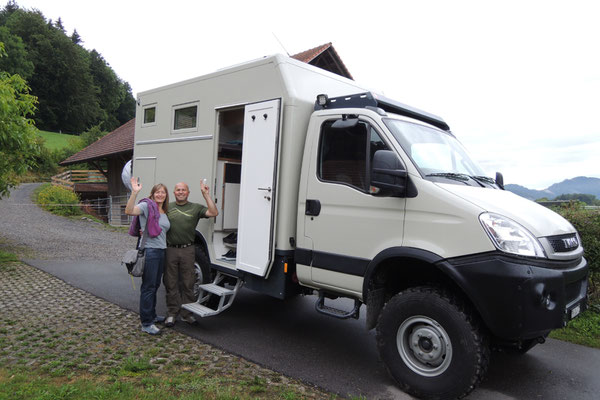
x=564 y=243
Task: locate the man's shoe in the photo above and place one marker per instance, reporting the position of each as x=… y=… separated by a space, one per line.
x=231 y=238
x=151 y=329
x=230 y=255
x=170 y=322
x=189 y=319
x=159 y=319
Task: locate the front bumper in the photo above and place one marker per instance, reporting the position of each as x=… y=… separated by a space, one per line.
x=520 y=298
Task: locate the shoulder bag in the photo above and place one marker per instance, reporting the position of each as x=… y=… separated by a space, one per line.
x=134 y=260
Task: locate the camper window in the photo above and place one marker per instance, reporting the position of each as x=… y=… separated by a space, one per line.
x=185 y=117
x=149 y=115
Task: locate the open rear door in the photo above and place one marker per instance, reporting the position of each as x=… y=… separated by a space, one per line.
x=257 y=190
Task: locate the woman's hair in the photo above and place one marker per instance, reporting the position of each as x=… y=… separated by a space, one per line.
x=165 y=205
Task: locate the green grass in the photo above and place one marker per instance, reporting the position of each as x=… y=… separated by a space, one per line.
x=7 y=257
x=583 y=330
x=20 y=383
x=55 y=141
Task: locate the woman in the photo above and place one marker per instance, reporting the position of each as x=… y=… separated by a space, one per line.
x=152 y=213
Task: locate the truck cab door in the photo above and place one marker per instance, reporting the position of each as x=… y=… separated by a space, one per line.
x=345 y=225
x=258 y=187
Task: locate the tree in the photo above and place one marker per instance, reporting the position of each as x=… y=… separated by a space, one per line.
x=75 y=38
x=110 y=94
x=17 y=59
x=18 y=146
x=76 y=88
x=126 y=109
x=62 y=80
x=588 y=199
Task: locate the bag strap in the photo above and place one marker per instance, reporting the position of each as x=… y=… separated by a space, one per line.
x=142 y=239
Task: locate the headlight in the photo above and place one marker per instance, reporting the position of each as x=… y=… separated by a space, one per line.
x=510 y=237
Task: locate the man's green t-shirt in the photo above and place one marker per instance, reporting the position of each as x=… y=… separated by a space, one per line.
x=183 y=221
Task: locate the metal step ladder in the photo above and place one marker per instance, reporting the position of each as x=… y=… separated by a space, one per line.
x=216 y=289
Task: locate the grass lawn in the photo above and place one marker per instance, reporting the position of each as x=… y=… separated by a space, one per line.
x=7 y=257
x=584 y=330
x=55 y=141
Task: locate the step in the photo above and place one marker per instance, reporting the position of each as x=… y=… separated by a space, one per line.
x=336 y=312
x=216 y=289
x=199 y=309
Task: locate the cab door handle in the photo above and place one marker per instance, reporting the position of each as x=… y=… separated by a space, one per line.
x=313 y=207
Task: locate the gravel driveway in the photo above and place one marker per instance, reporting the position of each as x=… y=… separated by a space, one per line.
x=35 y=233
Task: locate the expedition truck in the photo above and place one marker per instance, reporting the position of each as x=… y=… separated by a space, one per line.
x=326 y=188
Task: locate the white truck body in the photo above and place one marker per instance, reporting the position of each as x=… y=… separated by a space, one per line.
x=354 y=195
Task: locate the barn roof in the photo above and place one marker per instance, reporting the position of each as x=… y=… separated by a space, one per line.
x=324 y=57
x=119 y=141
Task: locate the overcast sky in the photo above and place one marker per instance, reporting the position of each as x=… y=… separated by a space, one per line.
x=517 y=81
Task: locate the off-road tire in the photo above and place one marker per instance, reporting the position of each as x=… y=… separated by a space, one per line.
x=423 y=323
x=202 y=266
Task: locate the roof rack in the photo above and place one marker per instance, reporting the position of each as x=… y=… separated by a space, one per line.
x=368 y=99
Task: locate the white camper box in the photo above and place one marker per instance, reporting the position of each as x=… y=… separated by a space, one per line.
x=195 y=131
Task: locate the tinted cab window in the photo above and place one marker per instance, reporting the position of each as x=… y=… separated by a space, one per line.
x=345 y=154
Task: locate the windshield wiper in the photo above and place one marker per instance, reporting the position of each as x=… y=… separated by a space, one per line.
x=485 y=179
x=452 y=175
x=464 y=178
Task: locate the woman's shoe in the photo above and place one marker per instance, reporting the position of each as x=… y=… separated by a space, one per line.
x=151 y=329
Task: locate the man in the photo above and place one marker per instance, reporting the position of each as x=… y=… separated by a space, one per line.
x=180 y=275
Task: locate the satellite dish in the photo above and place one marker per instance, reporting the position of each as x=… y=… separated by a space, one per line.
x=126 y=174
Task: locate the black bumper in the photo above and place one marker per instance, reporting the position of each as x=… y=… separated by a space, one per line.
x=519 y=298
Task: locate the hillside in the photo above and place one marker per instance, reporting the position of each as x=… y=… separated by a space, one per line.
x=56 y=141
x=580 y=184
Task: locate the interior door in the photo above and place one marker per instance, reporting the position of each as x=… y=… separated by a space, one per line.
x=257 y=190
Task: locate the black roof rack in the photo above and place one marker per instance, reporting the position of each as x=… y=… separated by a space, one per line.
x=368 y=99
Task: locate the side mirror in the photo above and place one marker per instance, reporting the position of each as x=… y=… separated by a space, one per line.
x=345 y=123
x=388 y=176
x=500 y=180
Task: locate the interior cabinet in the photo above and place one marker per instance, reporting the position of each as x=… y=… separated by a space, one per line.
x=227 y=194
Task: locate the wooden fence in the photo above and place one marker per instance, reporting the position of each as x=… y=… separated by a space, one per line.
x=68 y=179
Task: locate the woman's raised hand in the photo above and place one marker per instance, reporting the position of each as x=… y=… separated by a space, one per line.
x=135 y=185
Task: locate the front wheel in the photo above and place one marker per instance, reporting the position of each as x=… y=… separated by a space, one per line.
x=431 y=344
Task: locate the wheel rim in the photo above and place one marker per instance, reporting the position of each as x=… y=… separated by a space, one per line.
x=424 y=346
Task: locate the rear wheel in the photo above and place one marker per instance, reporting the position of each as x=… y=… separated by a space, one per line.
x=202 y=267
x=431 y=344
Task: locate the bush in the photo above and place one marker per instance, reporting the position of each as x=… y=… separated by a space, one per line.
x=45 y=162
x=587 y=223
x=59 y=200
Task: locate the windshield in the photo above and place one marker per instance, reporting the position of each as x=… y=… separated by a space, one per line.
x=436 y=153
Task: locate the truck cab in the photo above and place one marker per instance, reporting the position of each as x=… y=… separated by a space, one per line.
x=392 y=211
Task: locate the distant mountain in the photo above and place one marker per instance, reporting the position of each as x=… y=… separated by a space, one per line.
x=581 y=184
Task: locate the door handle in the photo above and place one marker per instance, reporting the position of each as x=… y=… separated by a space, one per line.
x=313 y=207
x=268 y=189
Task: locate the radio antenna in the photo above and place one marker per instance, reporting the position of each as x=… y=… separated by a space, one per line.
x=281 y=44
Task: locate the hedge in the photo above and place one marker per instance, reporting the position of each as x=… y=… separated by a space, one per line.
x=587 y=223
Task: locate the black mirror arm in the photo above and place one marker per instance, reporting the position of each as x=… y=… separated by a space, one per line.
x=393 y=172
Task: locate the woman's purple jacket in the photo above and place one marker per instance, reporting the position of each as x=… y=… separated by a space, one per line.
x=152 y=225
